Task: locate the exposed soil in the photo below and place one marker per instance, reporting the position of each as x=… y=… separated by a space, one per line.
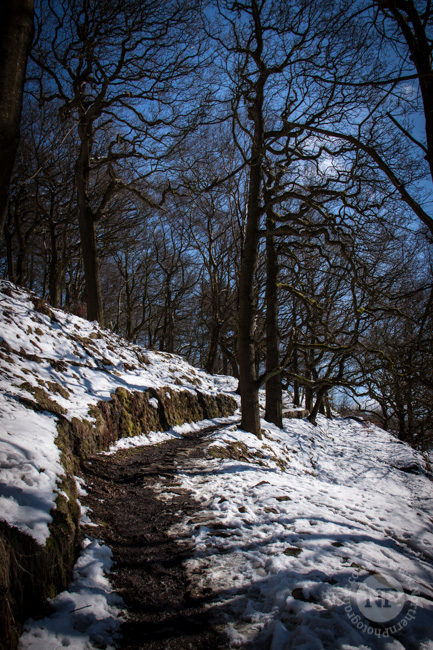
x=134 y=521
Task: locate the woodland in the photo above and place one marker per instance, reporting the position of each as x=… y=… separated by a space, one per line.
x=246 y=184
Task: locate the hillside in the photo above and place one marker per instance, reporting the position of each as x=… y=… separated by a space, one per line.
x=308 y=538
x=67 y=390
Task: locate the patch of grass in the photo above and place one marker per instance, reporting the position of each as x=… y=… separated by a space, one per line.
x=292 y=551
x=42 y=307
x=58 y=365
x=30 y=357
x=235 y=451
x=58 y=389
x=43 y=400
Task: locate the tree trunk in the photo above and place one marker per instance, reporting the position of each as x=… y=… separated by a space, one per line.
x=212 y=355
x=55 y=271
x=295 y=368
x=315 y=410
x=248 y=380
x=16 y=34
x=248 y=384
x=87 y=223
x=274 y=394
x=10 y=253
x=231 y=358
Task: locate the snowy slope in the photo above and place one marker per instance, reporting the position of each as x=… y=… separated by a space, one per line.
x=312 y=538
x=315 y=537
x=74 y=364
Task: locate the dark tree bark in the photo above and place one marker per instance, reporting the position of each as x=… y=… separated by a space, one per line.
x=16 y=34
x=55 y=272
x=248 y=380
x=274 y=395
x=212 y=355
x=87 y=221
x=317 y=404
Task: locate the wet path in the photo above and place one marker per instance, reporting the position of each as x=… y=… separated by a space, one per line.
x=134 y=522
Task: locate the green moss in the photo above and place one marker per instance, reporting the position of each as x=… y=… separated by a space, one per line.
x=126 y=426
x=123 y=396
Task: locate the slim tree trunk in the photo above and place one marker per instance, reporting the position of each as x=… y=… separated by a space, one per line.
x=16 y=34
x=318 y=403
x=10 y=253
x=212 y=355
x=274 y=393
x=55 y=271
x=248 y=380
x=88 y=224
x=56 y=268
x=248 y=384
x=89 y=251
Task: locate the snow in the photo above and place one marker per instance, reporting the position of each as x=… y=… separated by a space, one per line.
x=286 y=550
x=30 y=467
x=85 y=617
x=76 y=364
x=310 y=538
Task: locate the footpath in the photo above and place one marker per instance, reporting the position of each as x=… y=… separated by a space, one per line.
x=124 y=496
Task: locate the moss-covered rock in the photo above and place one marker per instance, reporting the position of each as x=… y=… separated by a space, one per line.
x=31 y=574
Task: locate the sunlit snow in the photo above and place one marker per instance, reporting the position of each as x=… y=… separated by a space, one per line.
x=297 y=533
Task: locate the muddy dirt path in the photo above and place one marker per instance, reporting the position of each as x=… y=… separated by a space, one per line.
x=148 y=572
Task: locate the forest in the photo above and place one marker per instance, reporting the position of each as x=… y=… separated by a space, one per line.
x=246 y=184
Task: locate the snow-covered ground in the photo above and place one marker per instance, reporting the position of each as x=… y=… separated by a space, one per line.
x=74 y=364
x=311 y=538
x=315 y=537
x=87 y=615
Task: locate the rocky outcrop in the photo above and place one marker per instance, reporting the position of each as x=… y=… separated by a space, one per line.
x=31 y=574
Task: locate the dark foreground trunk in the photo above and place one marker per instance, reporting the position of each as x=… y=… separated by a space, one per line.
x=16 y=33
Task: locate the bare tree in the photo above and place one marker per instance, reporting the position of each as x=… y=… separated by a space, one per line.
x=16 y=33
x=116 y=69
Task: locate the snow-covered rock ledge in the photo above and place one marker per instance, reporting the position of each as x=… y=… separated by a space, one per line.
x=69 y=389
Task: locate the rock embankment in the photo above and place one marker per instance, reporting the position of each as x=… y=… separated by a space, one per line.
x=67 y=391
